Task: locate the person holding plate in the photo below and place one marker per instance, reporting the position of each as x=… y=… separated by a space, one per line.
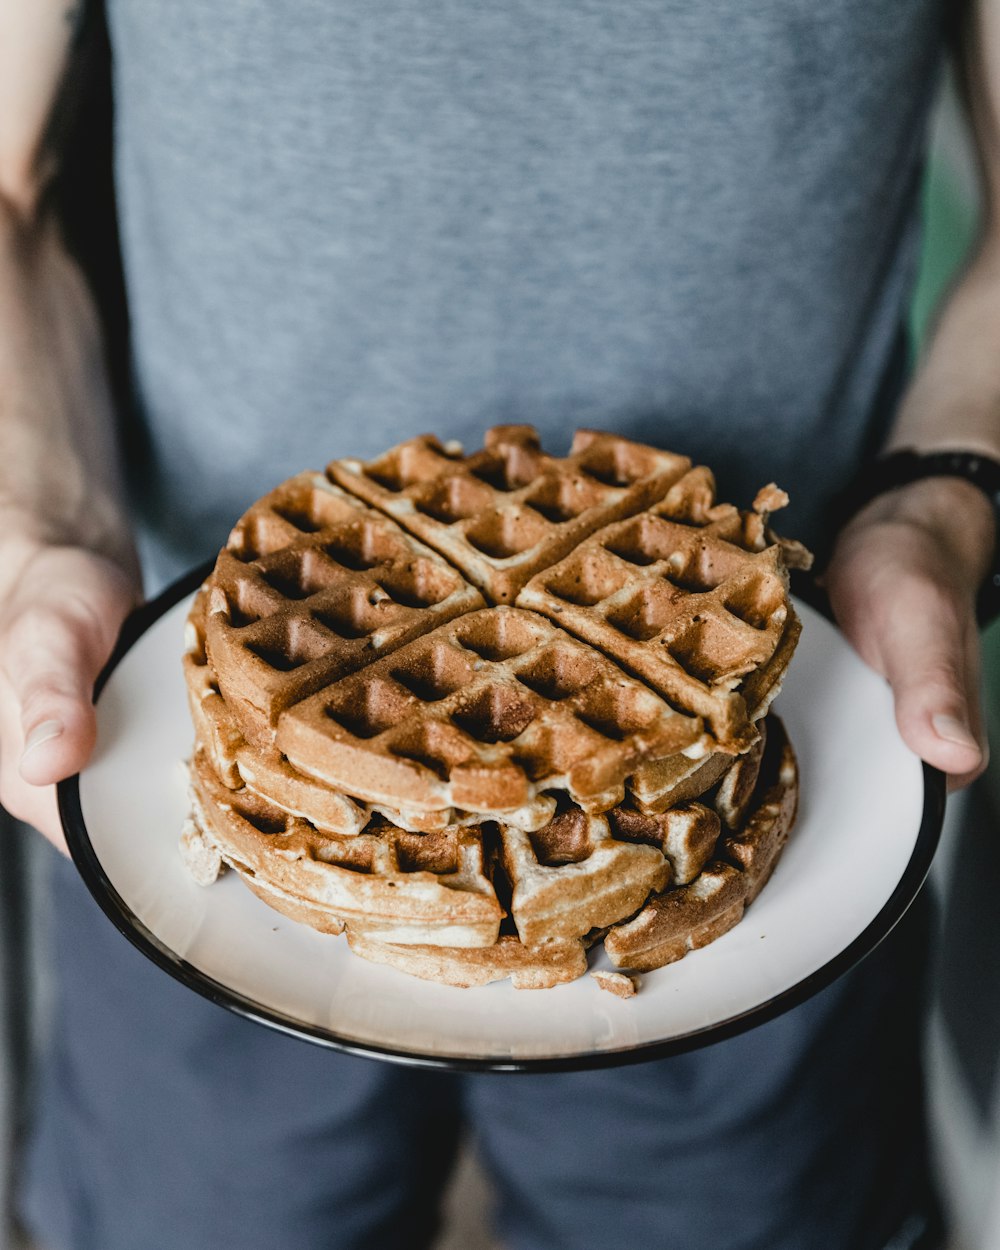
x=340 y=226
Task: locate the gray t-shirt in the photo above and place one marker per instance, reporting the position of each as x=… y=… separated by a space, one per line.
x=343 y=224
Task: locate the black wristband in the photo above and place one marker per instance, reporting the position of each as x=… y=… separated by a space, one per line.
x=903 y=467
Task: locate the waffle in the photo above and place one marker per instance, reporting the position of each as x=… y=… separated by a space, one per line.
x=680 y=920
x=271 y=776
x=501 y=514
x=672 y=923
x=407 y=888
x=430 y=904
x=483 y=714
x=686 y=835
x=688 y=597
x=683 y=920
x=310 y=585
x=237 y=764
x=482 y=711
x=660 y=784
x=754 y=847
x=527 y=969
x=737 y=788
x=574 y=875
x=581 y=872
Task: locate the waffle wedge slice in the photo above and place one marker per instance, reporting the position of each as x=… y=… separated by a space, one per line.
x=508 y=959
x=407 y=888
x=692 y=598
x=573 y=875
x=502 y=513
x=313 y=584
x=483 y=714
x=680 y=920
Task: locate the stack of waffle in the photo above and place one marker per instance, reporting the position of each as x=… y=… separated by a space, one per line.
x=483 y=711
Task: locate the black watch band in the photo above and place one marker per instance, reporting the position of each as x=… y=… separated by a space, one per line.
x=900 y=468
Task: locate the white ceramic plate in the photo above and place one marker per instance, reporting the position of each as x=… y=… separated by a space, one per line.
x=867 y=830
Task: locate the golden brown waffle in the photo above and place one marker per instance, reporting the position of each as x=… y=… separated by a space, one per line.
x=755 y=847
x=689 y=598
x=482 y=714
x=503 y=513
x=264 y=770
x=581 y=872
x=214 y=726
x=574 y=875
x=428 y=903
x=680 y=920
x=312 y=584
x=527 y=969
x=737 y=788
x=408 y=888
x=377 y=749
x=685 y=835
x=660 y=784
x=673 y=922
x=269 y=774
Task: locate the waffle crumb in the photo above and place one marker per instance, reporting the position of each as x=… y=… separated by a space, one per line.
x=618 y=983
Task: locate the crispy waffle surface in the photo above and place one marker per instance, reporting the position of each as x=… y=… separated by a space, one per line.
x=311 y=585
x=672 y=923
x=482 y=711
x=507 y=511
x=484 y=714
x=689 y=596
x=471 y=904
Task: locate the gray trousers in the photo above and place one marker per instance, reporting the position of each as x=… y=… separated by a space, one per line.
x=165 y=1122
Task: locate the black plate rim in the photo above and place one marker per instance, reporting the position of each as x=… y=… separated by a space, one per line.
x=132 y=928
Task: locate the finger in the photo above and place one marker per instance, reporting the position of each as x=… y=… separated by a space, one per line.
x=34 y=805
x=59 y=624
x=927 y=651
x=51 y=686
x=52 y=659
x=973 y=684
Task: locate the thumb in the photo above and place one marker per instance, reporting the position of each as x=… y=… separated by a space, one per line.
x=57 y=724
x=902 y=584
x=929 y=652
x=53 y=654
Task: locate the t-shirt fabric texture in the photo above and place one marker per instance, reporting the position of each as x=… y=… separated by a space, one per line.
x=343 y=224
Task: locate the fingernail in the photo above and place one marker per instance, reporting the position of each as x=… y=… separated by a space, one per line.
x=952 y=730
x=44 y=732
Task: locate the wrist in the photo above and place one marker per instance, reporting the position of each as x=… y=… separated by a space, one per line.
x=26 y=532
x=950 y=496
x=951 y=512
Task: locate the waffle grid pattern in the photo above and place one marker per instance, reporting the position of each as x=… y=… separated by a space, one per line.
x=510 y=509
x=483 y=713
x=484 y=710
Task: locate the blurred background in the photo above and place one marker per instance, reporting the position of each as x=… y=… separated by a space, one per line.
x=963 y=1037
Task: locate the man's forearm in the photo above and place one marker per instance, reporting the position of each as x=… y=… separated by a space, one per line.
x=59 y=472
x=60 y=479
x=954 y=399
